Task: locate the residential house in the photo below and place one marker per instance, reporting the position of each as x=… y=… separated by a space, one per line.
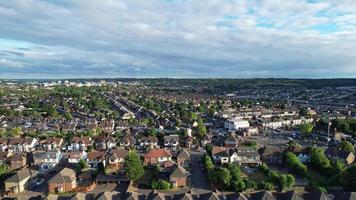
x=117 y=157
x=128 y=141
x=20 y=144
x=271 y=155
x=179 y=177
x=76 y=156
x=236 y=124
x=95 y=157
x=183 y=158
x=80 y=143
x=3 y=144
x=263 y=195
x=38 y=157
x=104 y=142
x=247 y=156
x=64 y=181
x=222 y=155
x=107 y=126
x=346 y=157
x=171 y=142
x=157 y=156
x=18 y=160
x=51 y=143
x=187 y=141
x=20 y=181
x=302 y=154
x=232 y=140
x=290 y=195
x=206 y=140
x=51 y=160
x=150 y=142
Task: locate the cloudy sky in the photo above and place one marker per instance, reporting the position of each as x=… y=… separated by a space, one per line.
x=177 y=38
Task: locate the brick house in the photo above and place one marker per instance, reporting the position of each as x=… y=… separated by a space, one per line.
x=17 y=161
x=179 y=177
x=95 y=157
x=183 y=158
x=116 y=158
x=64 y=181
x=157 y=156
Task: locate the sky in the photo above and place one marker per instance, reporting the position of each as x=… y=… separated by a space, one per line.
x=177 y=38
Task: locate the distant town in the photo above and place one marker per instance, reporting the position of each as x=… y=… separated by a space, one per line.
x=178 y=139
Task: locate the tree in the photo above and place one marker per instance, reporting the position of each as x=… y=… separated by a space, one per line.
x=133 y=166
x=349 y=178
x=306 y=129
x=208 y=163
x=347 y=146
x=238 y=185
x=101 y=168
x=304 y=112
x=82 y=164
x=223 y=176
x=319 y=160
x=3 y=169
x=16 y=131
x=290 y=180
x=294 y=163
x=201 y=129
x=160 y=185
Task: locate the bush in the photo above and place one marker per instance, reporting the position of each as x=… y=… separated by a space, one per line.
x=160 y=185
x=298 y=167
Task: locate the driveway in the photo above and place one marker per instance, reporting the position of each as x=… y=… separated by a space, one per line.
x=199 y=179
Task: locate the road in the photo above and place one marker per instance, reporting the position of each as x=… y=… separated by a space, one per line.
x=199 y=179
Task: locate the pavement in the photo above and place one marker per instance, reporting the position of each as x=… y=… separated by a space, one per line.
x=198 y=178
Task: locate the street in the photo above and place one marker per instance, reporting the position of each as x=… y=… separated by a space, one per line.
x=199 y=179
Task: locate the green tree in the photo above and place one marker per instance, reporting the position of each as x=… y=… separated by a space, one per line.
x=160 y=185
x=201 y=129
x=223 y=176
x=82 y=164
x=347 y=146
x=133 y=166
x=101 y=168
x=16 y=131
x=306 y=129
x=290 y=180
x=319 y=160
x=349 y=178
x=294 y=163
x=303 y=112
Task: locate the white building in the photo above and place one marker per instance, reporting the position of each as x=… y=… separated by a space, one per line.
x=236 y=124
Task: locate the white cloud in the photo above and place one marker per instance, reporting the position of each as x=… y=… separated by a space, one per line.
x=209 y=38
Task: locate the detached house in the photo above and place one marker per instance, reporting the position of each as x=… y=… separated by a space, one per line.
x=104 y=142
x=108 y=126
x=80 y=143
x=51 y=143
x=76 y=156
x=150 y=142
x=117 y=157
x=206 y=140
x=171 y=142
x=20 y=181
x=95 y=157
x=128 y=141
x=183 y=158
x=223 y=155
x=3 y=144
x=232 y=140
x=157 y=156
x=345 y=157
x=18 y=160
x=51 y=160
x=64 y=181
x=20 y=144
x=179 y=177
x=248 y=156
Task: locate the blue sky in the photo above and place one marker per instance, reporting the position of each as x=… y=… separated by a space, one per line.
x=178 y=38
